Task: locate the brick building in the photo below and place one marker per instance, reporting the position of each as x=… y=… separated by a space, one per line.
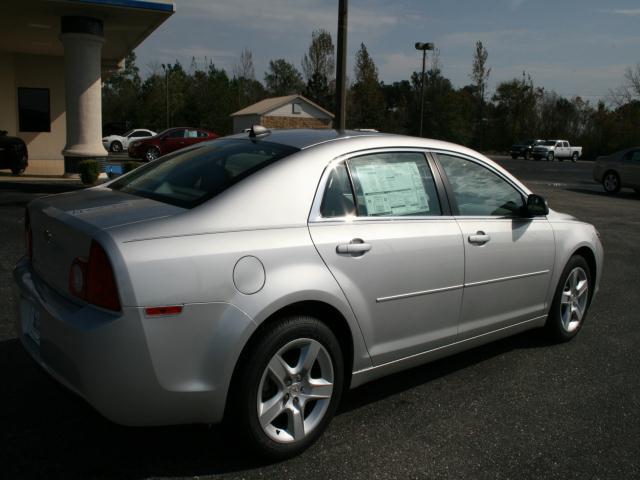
x=292 y=111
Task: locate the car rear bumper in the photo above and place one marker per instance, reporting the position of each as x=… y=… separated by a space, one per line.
x=133 y=369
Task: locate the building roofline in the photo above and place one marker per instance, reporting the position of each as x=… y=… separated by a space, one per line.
x=284 y=100
x=137 y=4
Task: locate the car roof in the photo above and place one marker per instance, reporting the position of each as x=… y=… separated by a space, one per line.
x=303 y=138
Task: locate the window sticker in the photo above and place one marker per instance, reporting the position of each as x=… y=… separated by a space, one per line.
x=392 y=189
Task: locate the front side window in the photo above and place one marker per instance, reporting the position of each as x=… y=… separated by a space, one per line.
x=190 y=177
x=393 y=184
x=479 y=191
x=139 y=134
x=179 y=133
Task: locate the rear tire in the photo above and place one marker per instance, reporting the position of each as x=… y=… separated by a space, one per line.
x=20 y=166
x=514 y=156
x=288 y=387
x=611 y=182
x=571 y=301
x=574 y=157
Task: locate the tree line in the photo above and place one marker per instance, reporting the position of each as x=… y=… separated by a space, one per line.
x=203 y=95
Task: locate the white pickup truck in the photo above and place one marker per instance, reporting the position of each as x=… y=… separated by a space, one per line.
x=556 y=149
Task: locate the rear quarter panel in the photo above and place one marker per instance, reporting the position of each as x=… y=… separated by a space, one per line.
x=198 y=269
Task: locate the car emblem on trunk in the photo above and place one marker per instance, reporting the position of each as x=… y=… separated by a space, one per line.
x=48 y=236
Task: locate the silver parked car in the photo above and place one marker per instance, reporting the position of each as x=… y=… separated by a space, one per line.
x=620 y=169
x=257 y=277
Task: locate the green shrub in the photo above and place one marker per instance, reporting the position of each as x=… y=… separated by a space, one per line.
x=130 y=165
x=89 y=171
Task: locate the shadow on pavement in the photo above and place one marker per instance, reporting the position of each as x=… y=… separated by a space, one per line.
x=408 y=379
x=48 y=432
x=623 y=194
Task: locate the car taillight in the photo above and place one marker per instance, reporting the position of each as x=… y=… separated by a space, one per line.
x=93 y=279
x=28 y=235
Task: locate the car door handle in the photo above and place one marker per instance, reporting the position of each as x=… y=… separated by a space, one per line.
x=355 y=247
x=480 y=238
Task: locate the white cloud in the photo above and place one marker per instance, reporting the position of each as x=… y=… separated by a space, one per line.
x=398 y=65
x=287 y=16
x=629 y=12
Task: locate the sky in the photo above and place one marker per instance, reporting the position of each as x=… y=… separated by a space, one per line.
x=574 y=47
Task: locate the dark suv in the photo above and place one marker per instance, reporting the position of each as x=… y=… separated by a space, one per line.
x=168 y=141
x=523 y=149
x=13 y=153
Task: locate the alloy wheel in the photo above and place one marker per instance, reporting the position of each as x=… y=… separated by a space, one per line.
x=575 y=296
x=295 y=390
x=152 y=154
x=611 y=183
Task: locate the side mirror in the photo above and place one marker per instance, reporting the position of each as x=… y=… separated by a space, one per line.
x=536 y=206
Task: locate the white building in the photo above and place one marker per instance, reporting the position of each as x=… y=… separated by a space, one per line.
x=53 y=55
x=292 y=111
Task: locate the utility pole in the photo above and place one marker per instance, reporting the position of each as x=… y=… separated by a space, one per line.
x=341 y=67
x=424 y=47
x=166 y=80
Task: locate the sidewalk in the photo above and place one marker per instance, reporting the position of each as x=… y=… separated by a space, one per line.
x=38 y=183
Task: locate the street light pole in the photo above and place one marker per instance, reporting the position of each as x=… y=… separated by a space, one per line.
x=341 y=67
x=166 y=80
x=424 y=47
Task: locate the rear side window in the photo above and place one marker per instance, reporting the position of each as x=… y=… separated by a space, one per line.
x=338 y=197
x=393 y=184
x=193 y=176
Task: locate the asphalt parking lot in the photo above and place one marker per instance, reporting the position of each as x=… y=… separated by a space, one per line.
x=519 y=408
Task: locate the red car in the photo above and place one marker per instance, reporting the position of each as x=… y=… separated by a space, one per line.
x=168 y=141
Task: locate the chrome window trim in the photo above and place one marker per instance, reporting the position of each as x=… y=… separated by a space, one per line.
x=316 y=217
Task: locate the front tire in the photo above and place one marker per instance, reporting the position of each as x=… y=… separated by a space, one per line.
x=571 y=300
x=514 y=156
x=550 y=157
x=116 y=146
x=526 y=155
x=291 y=380
x=151 y=154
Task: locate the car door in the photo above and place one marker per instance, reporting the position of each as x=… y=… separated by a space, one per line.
x=508 y=258
x=630 y=169
x=394 y=249
x=173 y=140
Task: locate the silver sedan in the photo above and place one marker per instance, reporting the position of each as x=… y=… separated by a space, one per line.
x=258 y=277
x=618 y=170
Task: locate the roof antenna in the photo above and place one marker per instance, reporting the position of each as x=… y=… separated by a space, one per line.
x=258 y=131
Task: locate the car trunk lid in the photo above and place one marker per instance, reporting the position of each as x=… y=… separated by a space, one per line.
x=63 y=226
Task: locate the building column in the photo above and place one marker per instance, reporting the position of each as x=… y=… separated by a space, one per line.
x=82 y=38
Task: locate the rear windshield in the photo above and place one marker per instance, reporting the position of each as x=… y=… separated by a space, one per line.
x=190 y=177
